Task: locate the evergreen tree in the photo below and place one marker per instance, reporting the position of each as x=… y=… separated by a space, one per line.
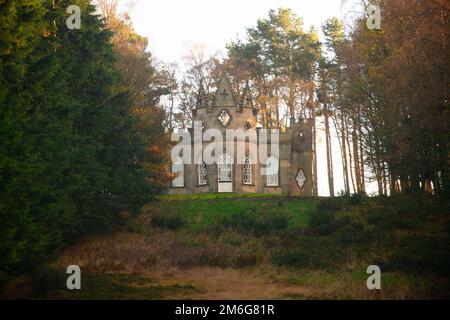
x=71 y=150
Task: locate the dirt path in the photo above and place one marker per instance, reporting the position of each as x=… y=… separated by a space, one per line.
x=227 y=284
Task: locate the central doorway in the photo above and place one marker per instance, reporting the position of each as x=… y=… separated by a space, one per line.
x=225 y=174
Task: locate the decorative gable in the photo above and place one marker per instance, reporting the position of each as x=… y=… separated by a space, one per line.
x=224 y=96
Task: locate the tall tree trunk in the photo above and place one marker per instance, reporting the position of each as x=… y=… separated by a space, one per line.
x=379 y=180
x=361 y=154
x=277 y=101
x=385 y=179
x=356 y=156
x=340 y=129
x=314 y=133
x=393 y=183
x=363 y=171
x=292 y=96
x=171 y=115
x=328 y=141
x=350 y=169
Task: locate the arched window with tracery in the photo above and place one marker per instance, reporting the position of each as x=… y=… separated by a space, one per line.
x=248 y=169
x=202 y=171
x=273 y=172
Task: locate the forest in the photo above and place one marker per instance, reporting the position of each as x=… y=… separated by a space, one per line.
x=86 y=115
x=384 y=92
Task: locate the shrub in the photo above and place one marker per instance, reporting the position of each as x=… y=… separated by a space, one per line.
x=389 y=218
x=353 y=232
x=423 y=254
x=48 y=279
x=331 y=204
x=291 y=257
x=322 y=222
x=170 y=221
x=310 y=252
x=259 y=224
x=241 y=220
x=247 y=259
x=357 y=198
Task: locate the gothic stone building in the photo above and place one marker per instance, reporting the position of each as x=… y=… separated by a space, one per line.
x=227 y=111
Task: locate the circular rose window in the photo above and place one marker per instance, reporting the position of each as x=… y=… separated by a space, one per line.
x=224 y=118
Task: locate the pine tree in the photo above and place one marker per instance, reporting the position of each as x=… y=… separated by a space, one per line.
x=71 y=148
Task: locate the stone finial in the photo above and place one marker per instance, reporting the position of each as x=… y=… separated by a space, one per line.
x=246 y=98
x=292 y=121
x=202 y=101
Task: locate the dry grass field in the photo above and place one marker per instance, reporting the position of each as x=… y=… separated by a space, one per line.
x=259 y=248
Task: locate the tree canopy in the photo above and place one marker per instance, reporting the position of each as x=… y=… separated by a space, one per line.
x=77 y=147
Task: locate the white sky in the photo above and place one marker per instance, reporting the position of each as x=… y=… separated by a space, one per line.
x=173 y=26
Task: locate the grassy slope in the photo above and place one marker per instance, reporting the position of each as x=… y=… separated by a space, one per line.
x=255 y=247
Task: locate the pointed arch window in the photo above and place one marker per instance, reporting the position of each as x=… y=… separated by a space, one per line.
x=178 y=170
x=225 y=166
x=202 y=171
x=273 y=167
x=248 y=169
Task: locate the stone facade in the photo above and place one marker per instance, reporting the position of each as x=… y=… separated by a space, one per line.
x=226 y=111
